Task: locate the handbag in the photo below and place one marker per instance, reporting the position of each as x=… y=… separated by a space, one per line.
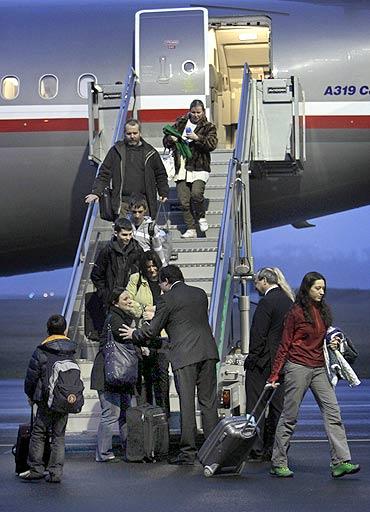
x=105 y=205
x=120 y=362
x=169 y=164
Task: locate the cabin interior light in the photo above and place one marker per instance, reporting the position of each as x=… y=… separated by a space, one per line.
x=247 y=36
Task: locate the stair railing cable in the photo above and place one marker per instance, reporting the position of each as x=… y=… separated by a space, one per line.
x=230 y=248
x=92 y=209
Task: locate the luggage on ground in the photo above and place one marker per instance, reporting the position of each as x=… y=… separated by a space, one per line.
x=147 y=433
x=228 y=446
x=20 y=449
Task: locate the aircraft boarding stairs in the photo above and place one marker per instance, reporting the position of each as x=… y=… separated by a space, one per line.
x=196 y=258
x=219 y=261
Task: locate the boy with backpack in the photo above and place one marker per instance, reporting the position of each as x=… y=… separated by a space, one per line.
x=53 y=382
x=147 y=232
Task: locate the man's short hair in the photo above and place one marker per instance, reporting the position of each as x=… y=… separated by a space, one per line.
x=138 y=201
x=122 y=223
x=56 y=325
x=172 y=273
x=133 y=122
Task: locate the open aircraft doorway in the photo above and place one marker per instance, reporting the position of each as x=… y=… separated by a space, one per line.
x=232 y=42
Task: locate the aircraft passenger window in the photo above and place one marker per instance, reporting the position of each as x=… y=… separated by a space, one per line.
x=9 y=87
x=83 y=82
x=48 y=87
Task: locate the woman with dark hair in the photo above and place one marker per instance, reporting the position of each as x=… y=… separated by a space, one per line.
x=300 y=358
x=144 y=290
x=192 y=172
x=114 y=401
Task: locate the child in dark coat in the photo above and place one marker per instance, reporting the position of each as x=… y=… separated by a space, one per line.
x=47 y=420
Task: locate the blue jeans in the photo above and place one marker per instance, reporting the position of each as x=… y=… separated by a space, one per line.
x=113 y=408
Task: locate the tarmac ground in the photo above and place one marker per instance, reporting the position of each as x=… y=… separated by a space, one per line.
x=90 y=486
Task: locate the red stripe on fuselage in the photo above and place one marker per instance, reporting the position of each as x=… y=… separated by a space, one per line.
x=160 y=116
x=69 y=124
x=337 y=122
x=165 y=116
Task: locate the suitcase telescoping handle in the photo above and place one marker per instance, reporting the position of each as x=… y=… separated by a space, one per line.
x=268 y=387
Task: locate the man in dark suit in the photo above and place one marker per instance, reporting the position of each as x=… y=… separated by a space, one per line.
x=183 y=312
x=265 y=336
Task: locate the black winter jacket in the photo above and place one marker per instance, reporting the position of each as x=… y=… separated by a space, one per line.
x=36 y=371
x=201 y=158
x=113 y=170
x=113 y=267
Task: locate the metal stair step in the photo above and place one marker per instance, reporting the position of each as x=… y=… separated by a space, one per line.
x=204 y=283
x=190 y=271
x=196 y=244
x=191 y=258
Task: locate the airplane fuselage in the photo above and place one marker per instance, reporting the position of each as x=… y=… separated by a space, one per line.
x=44 y=166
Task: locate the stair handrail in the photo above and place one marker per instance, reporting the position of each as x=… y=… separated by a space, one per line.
x=226 y=246
x=92 y=209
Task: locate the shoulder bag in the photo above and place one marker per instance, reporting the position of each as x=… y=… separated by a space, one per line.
x=105 y=205
x=120 y=362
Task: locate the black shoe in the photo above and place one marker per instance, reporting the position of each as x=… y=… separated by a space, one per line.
x=266 y=456
x=52 y=479
x=255 y=456
x=181 y=460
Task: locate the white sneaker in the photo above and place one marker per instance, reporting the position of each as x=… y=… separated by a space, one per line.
x=203 y=224
x=189 y=233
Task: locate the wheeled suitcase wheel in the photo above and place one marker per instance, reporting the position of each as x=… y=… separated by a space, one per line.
x=210 y=470
x=240 y=468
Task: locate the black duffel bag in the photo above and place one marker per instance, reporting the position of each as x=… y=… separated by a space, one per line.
x=105 y=205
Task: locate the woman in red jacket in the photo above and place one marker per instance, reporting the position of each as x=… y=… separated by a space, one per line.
x=300 y=358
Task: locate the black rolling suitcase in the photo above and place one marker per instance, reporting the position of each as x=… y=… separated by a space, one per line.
x=147 y=433
x=227 y=447
x=20 y=449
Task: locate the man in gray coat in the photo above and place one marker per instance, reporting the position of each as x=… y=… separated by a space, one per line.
x=183 y=312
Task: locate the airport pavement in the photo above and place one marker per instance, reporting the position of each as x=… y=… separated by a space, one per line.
x=90 y=486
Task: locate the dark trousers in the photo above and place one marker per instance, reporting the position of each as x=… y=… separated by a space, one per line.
x=154 y=370
x=200 y=376
x=191 y=197
x=255 y=382
x=47 y=421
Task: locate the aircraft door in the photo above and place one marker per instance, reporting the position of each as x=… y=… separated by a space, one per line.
x=171 y=60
